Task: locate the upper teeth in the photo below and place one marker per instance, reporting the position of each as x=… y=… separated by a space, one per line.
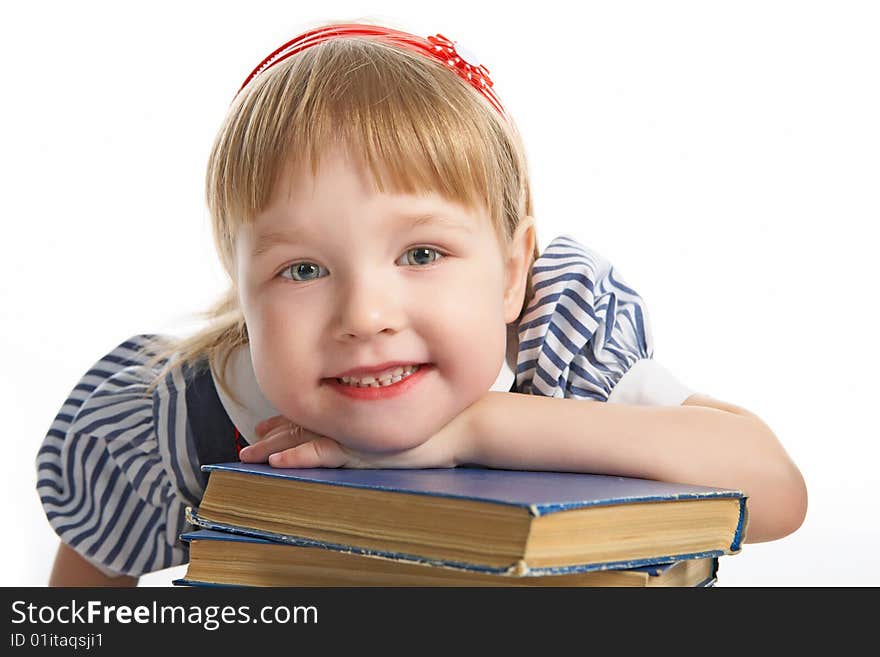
x=385 y=378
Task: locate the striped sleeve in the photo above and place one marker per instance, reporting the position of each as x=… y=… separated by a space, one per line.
x=116 y=469
x=585 y=330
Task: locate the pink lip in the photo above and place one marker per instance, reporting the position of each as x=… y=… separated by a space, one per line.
x=361 y=372
x=381 y=392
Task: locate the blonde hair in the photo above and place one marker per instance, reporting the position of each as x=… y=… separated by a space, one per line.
x=415 y=125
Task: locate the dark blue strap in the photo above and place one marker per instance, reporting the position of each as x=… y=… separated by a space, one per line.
x=213 y=432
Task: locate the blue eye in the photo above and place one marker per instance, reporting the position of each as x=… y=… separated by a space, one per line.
x=422 y=255
x=306 y=270
x=303 y=272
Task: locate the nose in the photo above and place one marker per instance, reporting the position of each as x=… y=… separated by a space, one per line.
x=368 y=306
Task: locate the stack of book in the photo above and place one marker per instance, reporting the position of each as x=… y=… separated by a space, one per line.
x=264 y=526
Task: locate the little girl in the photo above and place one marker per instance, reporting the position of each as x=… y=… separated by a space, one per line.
x=388 y=307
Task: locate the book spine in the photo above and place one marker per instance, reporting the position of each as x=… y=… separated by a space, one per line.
x=740 y=526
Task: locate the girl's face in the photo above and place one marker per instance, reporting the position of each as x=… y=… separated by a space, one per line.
x=335 y=277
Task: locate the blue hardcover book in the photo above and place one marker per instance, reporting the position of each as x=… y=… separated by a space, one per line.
x=224 y=559
x=479 y=519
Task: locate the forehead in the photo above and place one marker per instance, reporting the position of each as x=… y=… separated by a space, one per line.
x=340 y=184
x=334 y=170
x=337 y=174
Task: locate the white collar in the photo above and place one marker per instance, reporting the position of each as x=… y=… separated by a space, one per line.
x=243 y=381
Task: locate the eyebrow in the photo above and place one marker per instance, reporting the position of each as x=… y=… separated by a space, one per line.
x=266 y=241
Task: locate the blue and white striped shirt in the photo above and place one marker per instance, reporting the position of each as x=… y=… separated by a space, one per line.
x=117 y=469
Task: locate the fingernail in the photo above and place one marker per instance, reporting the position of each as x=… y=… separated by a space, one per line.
x=274 y=459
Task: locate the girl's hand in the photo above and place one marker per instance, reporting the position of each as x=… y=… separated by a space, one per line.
x=285 y=445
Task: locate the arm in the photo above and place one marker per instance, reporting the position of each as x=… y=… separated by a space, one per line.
x=700 y=442
x=70 y=569
x=703 y=441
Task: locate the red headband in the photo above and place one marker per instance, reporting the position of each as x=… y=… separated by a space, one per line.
x=437 y=47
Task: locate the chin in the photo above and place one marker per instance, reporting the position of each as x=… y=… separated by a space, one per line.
x=383 y=442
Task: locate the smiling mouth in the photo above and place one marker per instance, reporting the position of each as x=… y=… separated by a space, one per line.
x=382 y=379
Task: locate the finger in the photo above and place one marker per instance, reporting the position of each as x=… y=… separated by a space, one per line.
x=276 y=442
x=321 y=452
x=270 y=423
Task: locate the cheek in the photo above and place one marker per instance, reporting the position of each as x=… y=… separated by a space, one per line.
x=282 y=348
x=471 y=332
x=281 y=324
x=473 y=294
x=268 y=330
x=475 y=303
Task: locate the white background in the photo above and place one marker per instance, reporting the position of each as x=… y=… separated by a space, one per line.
x=724 y=156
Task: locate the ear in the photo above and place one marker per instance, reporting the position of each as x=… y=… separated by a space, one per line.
x=518 y=264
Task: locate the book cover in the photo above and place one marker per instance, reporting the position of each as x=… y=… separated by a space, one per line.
x=541 y=492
